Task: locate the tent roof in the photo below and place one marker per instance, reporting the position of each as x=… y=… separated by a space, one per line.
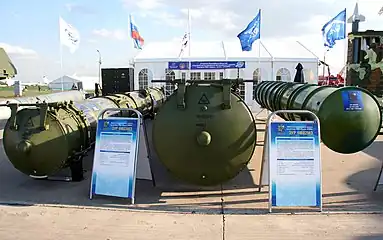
x=224 y=50
x=7 y=65
x=65 y=79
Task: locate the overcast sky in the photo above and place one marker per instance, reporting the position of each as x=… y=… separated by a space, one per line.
x=31 y=34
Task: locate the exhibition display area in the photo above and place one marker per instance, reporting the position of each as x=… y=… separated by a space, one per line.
x=347 y=184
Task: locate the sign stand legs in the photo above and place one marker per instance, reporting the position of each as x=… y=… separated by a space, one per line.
x=378 y=180
x=144 y=170
x=148 y=151
x=263 y=176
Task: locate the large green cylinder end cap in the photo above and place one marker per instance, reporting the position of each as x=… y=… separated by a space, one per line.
x=204 y=146
x=350 y=119
x=34 y=151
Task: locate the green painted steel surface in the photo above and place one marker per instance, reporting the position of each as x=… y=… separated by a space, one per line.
x=69 y=130
x=203 y=143
x=342 y=131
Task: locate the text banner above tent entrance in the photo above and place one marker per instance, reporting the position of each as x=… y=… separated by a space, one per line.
x=206 y=65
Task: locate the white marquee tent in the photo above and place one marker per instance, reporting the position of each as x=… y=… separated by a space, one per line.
x=65 y=82
x=87 y=82
x=278 y=60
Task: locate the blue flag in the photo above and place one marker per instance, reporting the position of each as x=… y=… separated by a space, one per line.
x=335 y=29
x=251 y=33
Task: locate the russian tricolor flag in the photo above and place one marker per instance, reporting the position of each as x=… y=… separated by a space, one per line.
x=135 y=34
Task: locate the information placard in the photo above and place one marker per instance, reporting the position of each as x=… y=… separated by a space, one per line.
x=115 y=157
x=294 y=164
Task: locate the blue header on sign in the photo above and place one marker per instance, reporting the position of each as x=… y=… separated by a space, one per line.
x=294 y=130
x=206 y=65
x=118 y=125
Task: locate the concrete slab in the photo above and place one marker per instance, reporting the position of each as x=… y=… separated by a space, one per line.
x=30 y=223
x=305 y=227
x=40 y=223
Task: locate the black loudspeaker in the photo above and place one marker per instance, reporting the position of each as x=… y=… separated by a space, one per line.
x=117 y=80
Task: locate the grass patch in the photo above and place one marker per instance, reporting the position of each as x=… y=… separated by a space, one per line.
x=30 y=91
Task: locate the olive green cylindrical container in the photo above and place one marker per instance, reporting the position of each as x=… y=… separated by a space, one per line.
x=260 y=93
x=270 y=94
x=279 y=91
x=298 y=98
x=284 y=99
x=350 y=117
x=204 y=143
x=41 y=140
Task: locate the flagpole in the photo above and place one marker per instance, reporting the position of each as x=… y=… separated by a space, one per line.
x=345 y=57
x=61 y=56
x=189 y=42
x=259 y=61
x=134 y=50
x=324 y=66
x=345 y=61
x=345 y=48
x=259 y=51
x=62 y=72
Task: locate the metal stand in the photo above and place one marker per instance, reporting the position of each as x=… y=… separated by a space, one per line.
x=378 y=180
x=264 y=180
x=76 y=172
x=145 y=135
x=148 y=151
x=141 y=127
x=264 y=160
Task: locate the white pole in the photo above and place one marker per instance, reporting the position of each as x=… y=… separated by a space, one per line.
x=99 y=67
x=62 y=71
x=259 y=51
x=324 y=66
x=259 y=61
x=189 y=41
x=345 y=61
x=225 y=75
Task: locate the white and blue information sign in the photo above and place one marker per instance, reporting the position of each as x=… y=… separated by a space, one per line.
x=115 y=157
x=294 y=164
x=206 y=65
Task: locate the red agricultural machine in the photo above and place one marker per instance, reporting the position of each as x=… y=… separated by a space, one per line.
x=331 y=80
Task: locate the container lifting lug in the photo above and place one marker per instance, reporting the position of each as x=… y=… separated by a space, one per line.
x=43 y=115
x=226 y=91
x=181 y=94
x=12 y=119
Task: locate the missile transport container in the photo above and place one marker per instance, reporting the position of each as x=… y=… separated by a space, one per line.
x=204 y=134
x=46 y=137
x=350 y=117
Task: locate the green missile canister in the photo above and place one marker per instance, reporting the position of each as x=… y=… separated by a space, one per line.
x=350 y=117
x=204 y=134
x=41 y=140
